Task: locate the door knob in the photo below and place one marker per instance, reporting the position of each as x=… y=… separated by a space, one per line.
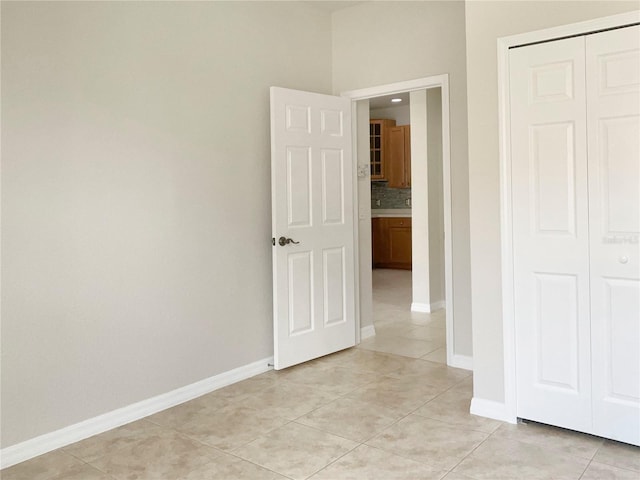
x=623 y=259
x=285 y=241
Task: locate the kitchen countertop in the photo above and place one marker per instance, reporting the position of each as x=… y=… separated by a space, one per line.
x=390 y=212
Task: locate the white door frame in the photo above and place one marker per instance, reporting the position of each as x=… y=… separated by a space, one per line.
x=441 y=81
x=506 y=208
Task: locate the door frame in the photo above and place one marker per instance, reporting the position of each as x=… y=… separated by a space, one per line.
x=435 y=81
x=509 y=413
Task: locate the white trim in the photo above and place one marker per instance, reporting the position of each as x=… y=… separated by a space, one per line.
x=427 y=307
x=490 y=409
x=434 y=81
x=461 y=361
x=356 y=224
x=73 y=433
x=506 y=208
x=421 y=307
x=399 y=87
x=448 y=231
x=367 y=332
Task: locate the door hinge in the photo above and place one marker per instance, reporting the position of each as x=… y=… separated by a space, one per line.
x=273 y=240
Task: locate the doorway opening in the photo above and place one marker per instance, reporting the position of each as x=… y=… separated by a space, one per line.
x=406 y=300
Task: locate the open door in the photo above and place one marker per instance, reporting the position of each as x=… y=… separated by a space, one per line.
x=313 y=225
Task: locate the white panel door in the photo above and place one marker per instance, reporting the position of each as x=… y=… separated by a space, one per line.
x=613 y=125
x=550 y=233
x=312 y=220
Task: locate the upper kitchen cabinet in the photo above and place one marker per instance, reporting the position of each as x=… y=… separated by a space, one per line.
x=379 y=147
x=399 y=157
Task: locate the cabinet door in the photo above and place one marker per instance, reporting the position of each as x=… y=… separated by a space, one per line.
x=395 y=165
x=379 y=147
x=399 y=235
x=407 y=155
x=376 y=141
x=379 y=242
x=399 y=158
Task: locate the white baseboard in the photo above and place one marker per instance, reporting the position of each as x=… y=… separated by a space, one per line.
x=491 y=409
x=368 y=331
x=427 y=307
x=421 y=307
x=73 y=433
x=462 y=361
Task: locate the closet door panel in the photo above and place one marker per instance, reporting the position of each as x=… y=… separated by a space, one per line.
x=550 y=223
x=613 y=121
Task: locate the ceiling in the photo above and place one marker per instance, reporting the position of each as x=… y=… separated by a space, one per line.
x=385 y=101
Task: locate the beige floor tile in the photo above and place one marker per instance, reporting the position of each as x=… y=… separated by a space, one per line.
x=406 y=347
x=111 y=441
x=290 y=400
x=248 y=387
x=600 y=471
x=420 y=319
x=230 y=427
x=619 y=455
x=456 y=476
x=501 y=459
x=452 y=407
x=429 y=441
x=559 y=439
x=374 y=464
x=437 y=356
x=388 y=314
x=367 y=361
x=353 y=419
x=396 y=393
x=159 y=455
x=296 y=451
x=436 y=334
x=395 y=329
x=333 y=379
x=431 y=373
x=178 y=415
x=465 y=385
x=228 y=467
x=56 y=465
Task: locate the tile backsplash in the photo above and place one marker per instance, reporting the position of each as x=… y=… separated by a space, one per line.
x=389 y=197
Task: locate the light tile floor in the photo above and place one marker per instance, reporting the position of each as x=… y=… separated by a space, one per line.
x=373 y=412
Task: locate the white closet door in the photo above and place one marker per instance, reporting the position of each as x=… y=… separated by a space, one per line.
x=613 y=122
x=550 y=229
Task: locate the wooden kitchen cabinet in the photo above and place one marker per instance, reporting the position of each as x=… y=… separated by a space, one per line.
x=379 y=147
x=399 y=157
x=391 y=242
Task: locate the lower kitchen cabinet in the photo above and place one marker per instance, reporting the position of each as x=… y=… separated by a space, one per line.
x=391 y=242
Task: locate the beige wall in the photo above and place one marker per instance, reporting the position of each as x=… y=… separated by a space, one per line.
x=435 y=194
x=399 y=114
x=378 y=43
x=485 y=22
x=419 y=201
x=364 y=216
x=136 y=216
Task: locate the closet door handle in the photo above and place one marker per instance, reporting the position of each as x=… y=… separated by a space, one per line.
x=623 y=259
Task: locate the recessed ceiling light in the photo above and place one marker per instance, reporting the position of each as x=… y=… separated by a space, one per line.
x=396 y=100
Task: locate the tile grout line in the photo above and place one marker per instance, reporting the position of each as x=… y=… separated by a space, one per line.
x=585 y=469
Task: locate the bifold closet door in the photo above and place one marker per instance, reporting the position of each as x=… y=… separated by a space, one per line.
x=613 y=126
x=575 y=152
x=550 y=233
